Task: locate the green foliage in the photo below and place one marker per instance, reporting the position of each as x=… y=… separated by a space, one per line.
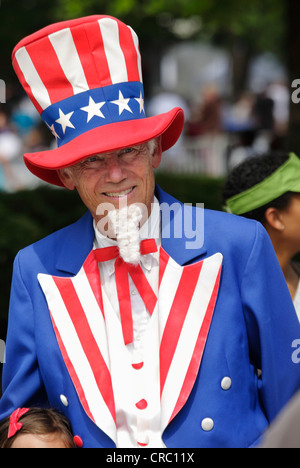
x=261 y=24
x=193 y=189
x=19 y=19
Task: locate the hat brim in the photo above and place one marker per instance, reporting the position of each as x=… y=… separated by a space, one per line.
x=108 y=138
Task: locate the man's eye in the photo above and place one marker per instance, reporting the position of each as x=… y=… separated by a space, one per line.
x=128 y=150
x=92 y=159
x=131 y=152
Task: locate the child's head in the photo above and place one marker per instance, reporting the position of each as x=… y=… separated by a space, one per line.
x=36 y=428
x=252 y=174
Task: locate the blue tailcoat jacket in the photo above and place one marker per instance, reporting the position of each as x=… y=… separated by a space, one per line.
x=253 y=328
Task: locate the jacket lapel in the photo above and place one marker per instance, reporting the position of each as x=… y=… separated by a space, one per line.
x=181 y=238
x=77 y=244
x=187 y=298
x=76 y=310
x=186 y=314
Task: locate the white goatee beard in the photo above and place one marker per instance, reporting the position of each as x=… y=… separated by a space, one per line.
x=126 y=225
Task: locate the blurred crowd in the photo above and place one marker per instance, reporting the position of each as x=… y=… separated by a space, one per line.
x=219 y=133
x=21 y=131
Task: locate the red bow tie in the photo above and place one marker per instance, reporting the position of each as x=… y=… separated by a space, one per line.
x=122 y=270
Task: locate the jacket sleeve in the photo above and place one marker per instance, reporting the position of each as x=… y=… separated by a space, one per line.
x=272 y=325
x=22 y=385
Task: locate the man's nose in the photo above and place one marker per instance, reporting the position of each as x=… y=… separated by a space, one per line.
x=115 y=171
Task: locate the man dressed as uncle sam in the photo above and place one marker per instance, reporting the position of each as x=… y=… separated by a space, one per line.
x=142 y=333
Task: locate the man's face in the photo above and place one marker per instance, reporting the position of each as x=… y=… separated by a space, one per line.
x=122 y=177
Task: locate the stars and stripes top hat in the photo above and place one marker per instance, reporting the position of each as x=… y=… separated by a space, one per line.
x=84 y=76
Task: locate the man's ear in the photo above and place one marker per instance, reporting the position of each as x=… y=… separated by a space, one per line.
x=66 y=178
x=157 y=154
x=274 y=219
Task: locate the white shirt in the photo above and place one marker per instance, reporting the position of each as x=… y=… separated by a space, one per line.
x=130 y=386
x=150 y=266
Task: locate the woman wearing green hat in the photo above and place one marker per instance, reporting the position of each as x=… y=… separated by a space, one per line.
x=267 y=188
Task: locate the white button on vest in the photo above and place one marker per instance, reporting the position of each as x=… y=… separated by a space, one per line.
x=64 y=400
x=226 y=383
x=207 y=424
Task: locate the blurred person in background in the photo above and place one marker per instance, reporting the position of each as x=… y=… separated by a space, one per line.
x=267 y=188
x=206 y=116
x=284 y=433
x=10 y=150
x=279 y=92
x=161 y=102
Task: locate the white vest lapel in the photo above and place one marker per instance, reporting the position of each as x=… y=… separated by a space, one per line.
x=187 y=298
x=76 y=309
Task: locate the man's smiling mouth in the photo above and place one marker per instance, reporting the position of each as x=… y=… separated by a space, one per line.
x=121 y=194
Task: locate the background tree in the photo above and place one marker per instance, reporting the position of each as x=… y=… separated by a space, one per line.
x=293 y=64
x=245 y=27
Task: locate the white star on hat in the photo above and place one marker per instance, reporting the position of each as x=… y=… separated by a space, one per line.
x=64 y=120
x=122 y=103
x=52 y=128
x=141 y=102
x=93 y=109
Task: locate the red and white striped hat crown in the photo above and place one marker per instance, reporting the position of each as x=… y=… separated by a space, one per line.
x=84 y=76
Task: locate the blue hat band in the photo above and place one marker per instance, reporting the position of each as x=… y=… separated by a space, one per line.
x=78 y=114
